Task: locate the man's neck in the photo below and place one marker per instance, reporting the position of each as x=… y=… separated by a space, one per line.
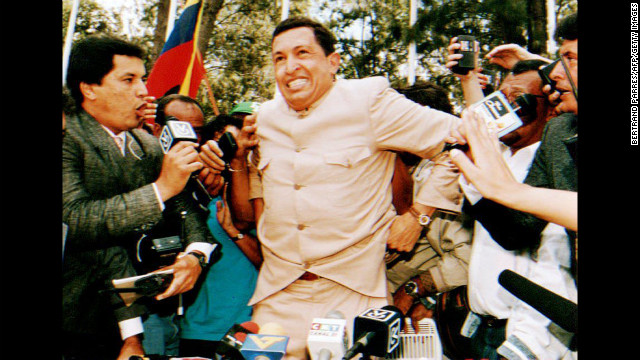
x=97 y=116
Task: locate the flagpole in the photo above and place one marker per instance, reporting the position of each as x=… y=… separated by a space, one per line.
x=413 y=12
x=71 y=28
x=551 y=27
x=173 y=5
x=212 y=99
x=285 y=10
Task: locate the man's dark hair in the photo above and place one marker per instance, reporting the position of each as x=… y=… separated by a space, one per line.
x=428 y=94
x=527 y=65
x=92 y=58
x=165 y=100
x=218 y=124
x=567 y=28
x=324 y=37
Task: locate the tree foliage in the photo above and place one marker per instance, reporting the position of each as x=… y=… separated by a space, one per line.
x=373 y=37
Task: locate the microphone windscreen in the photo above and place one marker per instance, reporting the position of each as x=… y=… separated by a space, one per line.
x=558 y=309
x=272 y=328
x=250 y=326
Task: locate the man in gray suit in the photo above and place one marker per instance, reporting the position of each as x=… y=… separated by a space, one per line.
x=113 y=194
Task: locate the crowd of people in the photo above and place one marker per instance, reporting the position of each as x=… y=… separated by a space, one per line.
x=335 y=195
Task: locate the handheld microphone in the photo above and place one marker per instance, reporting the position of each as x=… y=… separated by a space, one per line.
x=327 y=338
x=270 y=343
x=555 y=307
x=175 y=131
x=377 y=332
x=231 y=343
x=500 y=116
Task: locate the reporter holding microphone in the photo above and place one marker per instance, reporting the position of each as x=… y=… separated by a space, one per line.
x=117 y=185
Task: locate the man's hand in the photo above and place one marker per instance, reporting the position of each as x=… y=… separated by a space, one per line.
x=212 y=180
x=224 y=217
x=211 y=156
x=507 y=55
x=404 y=233
x=147 y=113
x=417 y=313
x=247 y=138
x=186 y=270
x=485 y=168
x=402 y=300
x=452 y=60
x=131 y=346
x=177 y=166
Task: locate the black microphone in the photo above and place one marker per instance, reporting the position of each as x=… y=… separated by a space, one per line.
x=174 y=131
x=231 y=343
x=376 y=332
x=555 y=307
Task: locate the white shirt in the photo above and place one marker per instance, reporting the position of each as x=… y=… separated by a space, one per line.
x=488 y=258
x=548 y=267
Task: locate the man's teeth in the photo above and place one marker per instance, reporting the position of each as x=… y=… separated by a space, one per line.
x=297 y=83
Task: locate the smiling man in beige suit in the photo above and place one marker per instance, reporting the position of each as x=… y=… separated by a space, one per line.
x=327 y=151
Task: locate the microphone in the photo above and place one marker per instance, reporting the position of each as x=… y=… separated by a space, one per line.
x=555 y=307
x=270 y=343
x=377 y=332
x=231 y=343
x=327 y=338
x=500 y=116
x=175 y=131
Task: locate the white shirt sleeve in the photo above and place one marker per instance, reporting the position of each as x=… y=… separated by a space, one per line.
x=130 y=327
x=202 y=247
x=160 y=201
x=470 y=192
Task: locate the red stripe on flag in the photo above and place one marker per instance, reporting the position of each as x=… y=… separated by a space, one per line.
x=173 y=66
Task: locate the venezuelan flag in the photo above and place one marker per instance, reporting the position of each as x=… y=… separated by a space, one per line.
x=180 y=63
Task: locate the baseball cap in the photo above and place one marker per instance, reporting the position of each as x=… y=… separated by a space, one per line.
x=247 y=107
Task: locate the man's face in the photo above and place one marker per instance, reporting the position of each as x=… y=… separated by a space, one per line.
x=186 y=112
x=115 y=100
x=303 y=72
x=528 y=82
x=569 y=52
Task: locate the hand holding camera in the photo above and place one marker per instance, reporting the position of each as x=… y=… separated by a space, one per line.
x=463 y=54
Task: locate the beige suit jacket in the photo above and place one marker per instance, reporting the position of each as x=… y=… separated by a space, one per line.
x=326 y=175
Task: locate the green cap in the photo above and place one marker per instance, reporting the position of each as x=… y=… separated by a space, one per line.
x=247 y=107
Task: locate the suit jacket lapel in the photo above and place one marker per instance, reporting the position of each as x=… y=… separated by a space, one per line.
x=104 y=145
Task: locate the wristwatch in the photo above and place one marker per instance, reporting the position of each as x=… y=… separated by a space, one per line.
x=202 y=260
x=240 y=236
x=411 y=288
x=428 y=302
x=423 y=219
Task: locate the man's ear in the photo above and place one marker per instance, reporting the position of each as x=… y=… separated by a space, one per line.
x=87 y=91
x=334 y=62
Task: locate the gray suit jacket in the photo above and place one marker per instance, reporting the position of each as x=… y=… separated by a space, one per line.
x=108 y=202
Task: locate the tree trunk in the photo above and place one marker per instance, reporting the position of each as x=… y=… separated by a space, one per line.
x=537 y=26
x=161 y=28
x=209 y=15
